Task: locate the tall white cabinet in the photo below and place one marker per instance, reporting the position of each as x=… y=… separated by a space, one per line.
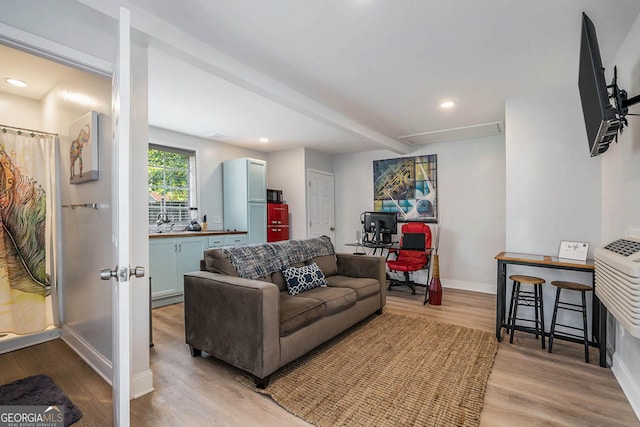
x=245 y=197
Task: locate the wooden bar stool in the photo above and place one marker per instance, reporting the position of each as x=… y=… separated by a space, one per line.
x=527 y=298
x=580 y=308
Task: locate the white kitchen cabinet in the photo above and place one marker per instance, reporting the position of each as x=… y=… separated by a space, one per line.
x=169 y=260
x=245 y=197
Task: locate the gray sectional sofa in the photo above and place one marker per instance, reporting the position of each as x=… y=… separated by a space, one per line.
x=239 y=310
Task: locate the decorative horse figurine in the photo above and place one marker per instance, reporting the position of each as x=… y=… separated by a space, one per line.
x=75 y=153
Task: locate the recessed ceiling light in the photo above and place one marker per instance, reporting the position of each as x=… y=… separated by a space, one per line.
x=447 y=104
x=264 y=139
x=15 y=82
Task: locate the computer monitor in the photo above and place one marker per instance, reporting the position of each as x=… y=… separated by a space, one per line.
x=382 y=225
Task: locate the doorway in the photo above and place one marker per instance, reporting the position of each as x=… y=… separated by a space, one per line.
x=320 y=204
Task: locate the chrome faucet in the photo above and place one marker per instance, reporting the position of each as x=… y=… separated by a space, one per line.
x=163 y=218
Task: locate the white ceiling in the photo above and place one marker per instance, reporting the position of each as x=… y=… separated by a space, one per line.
x=352 y=75
x=41 y=74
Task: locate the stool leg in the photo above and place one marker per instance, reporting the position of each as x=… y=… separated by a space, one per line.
x=553 y=319
x=515 y=312
x=536 y=297
x=541 y=313
x=513 y=294
x=584 y=326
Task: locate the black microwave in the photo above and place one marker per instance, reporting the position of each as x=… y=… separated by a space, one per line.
x=274 y=196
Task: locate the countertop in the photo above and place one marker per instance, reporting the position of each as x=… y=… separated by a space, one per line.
x=194 y=233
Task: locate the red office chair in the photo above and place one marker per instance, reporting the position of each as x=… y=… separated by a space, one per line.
x=414 y=253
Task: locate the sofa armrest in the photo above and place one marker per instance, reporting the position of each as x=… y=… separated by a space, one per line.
x=373 y=267
x=233 y=319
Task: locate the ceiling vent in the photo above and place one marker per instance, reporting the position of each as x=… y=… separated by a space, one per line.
x=216 y=137
x=465 y=132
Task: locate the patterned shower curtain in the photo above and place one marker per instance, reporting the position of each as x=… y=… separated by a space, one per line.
x=27 y=240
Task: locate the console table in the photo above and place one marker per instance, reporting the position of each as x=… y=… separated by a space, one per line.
x=598 y=310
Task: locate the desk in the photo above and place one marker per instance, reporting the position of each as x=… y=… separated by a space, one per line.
x=598 y=310
x=372 y=245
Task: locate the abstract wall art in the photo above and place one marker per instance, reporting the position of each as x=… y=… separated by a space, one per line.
x=408 y=187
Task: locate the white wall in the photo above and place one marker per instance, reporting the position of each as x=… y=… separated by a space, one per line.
x=20 y=112
x=471 y=202
x=318 y=161
x=86 y=301
x=285 y=171
x=209 y=157
x=553 y=187
x=621 y=202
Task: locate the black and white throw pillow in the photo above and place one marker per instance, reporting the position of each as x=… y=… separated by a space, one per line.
x=300 y=279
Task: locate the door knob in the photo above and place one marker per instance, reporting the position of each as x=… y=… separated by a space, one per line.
x=108 y=274
x=137 y=272
x=333 y=229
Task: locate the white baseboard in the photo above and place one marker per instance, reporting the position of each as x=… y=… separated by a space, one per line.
x=629 y=386
x=141 y=384
x=486 y=288
x=15 y=342
x=420 y=277
x=88 y=353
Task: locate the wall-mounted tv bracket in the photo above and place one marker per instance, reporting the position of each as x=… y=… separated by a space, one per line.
x=622 y=101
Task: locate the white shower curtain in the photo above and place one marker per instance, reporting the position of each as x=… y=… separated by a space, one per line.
x=28 y=250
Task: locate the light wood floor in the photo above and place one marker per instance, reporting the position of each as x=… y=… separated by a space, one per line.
x=527 y=386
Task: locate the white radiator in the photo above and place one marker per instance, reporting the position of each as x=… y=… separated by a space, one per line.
x=618 y=281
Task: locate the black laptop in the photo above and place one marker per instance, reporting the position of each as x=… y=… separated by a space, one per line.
x=413 y=241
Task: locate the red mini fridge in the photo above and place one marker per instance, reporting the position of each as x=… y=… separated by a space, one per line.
x=277 y=222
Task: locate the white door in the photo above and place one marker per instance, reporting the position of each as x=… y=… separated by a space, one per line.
x=320 y=215
x=121 y=124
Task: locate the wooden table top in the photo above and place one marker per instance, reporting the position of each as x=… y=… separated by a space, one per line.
x=545 y=260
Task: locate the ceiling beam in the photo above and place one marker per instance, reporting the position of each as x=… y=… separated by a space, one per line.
x=186 y=48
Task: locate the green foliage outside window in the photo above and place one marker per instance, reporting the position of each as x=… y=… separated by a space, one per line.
x=169 y=179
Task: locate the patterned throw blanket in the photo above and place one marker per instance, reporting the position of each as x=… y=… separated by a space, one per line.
x=255 y=261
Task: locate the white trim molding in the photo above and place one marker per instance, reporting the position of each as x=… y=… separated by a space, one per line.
x=88 y=353
x=16 y=342
x=141 y=384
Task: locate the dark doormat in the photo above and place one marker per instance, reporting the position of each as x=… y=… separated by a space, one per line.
x=39 y=390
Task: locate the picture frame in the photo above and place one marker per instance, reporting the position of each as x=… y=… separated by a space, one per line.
x=83 y=149
x=573 y=250
x=407 y=186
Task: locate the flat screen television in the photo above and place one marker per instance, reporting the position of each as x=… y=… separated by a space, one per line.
x=600 y=117
x=381 y=224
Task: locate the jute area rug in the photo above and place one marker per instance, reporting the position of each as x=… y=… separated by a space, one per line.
x=392 y=370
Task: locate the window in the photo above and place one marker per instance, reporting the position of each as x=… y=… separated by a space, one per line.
x=172 y=183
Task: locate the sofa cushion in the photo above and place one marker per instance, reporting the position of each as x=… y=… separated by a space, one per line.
x=328 y=264
x=364 y=287
x=301 y=279
x=335 y=299
x=217 y=261
x=296 y=312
